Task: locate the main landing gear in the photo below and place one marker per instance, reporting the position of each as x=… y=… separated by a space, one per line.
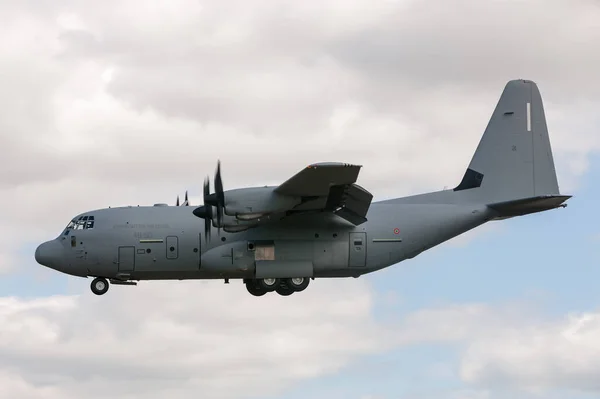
x=283 y=286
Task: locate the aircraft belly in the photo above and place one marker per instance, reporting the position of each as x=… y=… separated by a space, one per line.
x=185 y=275
x=325 y=255
x=284 y=268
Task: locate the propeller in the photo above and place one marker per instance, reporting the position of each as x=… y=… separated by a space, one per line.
x=205 y=211
x=216 y=199
x=220 y=195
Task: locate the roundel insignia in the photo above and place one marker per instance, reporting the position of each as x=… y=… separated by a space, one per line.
x=396 y=231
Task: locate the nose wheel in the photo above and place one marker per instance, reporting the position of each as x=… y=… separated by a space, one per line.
x=99 y=286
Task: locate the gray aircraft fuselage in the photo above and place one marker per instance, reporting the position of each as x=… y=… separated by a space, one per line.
x=323 y=225
x=167 y=242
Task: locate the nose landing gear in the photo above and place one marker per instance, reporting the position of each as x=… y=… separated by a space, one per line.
x=99 y=286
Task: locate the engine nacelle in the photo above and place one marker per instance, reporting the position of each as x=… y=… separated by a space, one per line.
x=251 y=203
x=233 y=224
x=249 y=216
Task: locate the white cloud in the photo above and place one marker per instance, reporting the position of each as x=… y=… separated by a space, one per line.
x=156 y=340
x=206 y=337
x=511 y=347
x=559 y=354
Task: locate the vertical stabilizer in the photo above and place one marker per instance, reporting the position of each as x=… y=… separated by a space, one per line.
x=514 y=158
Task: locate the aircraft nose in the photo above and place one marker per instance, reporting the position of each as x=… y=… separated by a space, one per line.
x=49 y=254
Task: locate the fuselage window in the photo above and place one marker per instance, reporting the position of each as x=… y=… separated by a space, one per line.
x=82 y=223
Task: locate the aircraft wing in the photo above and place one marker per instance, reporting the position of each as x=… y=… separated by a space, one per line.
x=329 y=187
x=321 y=187
x=318 y=178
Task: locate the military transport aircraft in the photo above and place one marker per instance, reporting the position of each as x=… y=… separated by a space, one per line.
x=319 y=222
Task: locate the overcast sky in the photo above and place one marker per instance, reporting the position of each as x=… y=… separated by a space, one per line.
x=130 y=102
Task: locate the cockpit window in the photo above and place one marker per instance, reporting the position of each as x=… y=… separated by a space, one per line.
x=81 y=223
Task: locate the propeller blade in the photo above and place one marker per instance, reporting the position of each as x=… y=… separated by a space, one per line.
x=219 y=218
x=217 y=199
x=208 y=211
x=219 y=183
x=206 y=192
x=177 y=203
x=220 y=196
x=187 y=203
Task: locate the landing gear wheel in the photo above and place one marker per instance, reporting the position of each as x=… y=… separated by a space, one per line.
x=99 y=286
x=283 y=290
x=297 y=284
x=268 y=284
x=253 y=288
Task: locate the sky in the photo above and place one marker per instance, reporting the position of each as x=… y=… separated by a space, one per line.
x=129 y=102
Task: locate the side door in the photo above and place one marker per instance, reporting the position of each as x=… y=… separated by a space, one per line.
x=183 y=251
x=358 y=250
x=126 y=259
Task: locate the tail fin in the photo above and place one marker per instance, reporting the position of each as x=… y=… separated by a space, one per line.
x=514 y=159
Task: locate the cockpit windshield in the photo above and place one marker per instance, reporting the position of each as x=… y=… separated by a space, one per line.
x=81 y=223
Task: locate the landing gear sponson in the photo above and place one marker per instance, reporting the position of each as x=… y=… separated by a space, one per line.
x=257 y=287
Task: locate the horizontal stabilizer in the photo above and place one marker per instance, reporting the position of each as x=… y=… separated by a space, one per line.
x=526 y=206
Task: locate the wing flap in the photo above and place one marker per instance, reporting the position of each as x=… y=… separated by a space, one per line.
x=355 y=204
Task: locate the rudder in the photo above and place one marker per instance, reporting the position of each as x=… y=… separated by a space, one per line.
x=514 y=158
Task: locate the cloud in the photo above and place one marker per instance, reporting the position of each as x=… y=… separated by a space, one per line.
x=204 y=336
x=154 y=340
x=558 y=354
x=512 y=347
